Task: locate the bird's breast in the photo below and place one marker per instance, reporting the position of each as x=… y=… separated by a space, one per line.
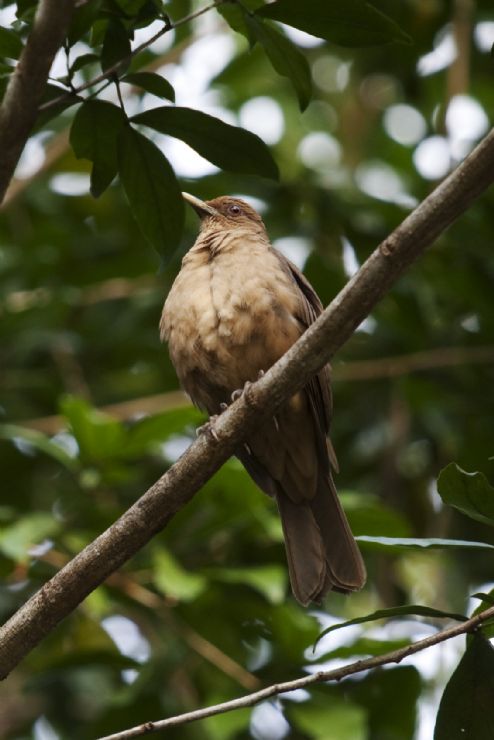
x=229 y=316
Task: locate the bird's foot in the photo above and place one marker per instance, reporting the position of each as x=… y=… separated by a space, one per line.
x=247 y=386
x=208 y=427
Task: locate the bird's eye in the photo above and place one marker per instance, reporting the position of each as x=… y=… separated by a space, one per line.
x=234 y=210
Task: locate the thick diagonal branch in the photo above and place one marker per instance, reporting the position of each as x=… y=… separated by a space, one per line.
x=20 y=103
x=57 y=598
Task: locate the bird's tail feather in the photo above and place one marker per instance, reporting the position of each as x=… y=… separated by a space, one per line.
x=321 y=550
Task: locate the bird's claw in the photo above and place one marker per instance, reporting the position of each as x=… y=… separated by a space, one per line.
x=208 y=427
x=247 y=385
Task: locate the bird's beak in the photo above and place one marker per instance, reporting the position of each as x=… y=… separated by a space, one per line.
x=200 y=206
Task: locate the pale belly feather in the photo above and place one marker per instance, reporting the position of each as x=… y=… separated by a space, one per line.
x=228 y=318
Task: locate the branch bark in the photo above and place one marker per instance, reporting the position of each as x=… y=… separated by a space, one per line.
x=59 y=596
x=19 y=108
x=396 y=656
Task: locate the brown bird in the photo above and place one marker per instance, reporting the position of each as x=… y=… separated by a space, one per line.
x=234 y=309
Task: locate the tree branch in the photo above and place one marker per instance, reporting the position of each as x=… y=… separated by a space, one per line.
x=396 y=656
x=59 y=596
x=19 y=108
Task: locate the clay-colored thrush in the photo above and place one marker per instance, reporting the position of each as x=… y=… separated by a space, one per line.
x=235 y=307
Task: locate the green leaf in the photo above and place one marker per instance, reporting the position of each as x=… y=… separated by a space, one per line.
x=82 y=61
x=470 y=493
x=37 y=441
x=100 y=437
x=16 y=539
x=229 y=147
x=174 y=581
x=237 y=16
x=116 y=46
x=269 y=580
x=10 y=44
x=347 y=23
x=466 y=711
x=333 y=720
x=487 y=600
x=285 y=57
x=151 y=82
x=411 y=543
x=146 y=433
x=93 y=135
x=364 y=646
x=397 y=611
x=152 y=190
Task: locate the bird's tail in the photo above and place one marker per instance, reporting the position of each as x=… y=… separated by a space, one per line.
x=321 y=550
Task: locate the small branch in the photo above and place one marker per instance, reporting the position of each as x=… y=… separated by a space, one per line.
x=396 y=656
x=107 y=73
x=150 y=514
x=394 y=367
x=19 y=107
x=347 y=372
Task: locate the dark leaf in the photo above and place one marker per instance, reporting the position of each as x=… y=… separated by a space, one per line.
x=62 y=99
x=487 y=600
x=94 y=135
x=10 y=44
x=471 y=493
x=116 y=46
x=151 y=82
x=416 y=610
x=82 y=61
x=152 y=190
x=285 y=57
x=348 y=23
x=389 y=699
x=228 y=147
x=466 y=711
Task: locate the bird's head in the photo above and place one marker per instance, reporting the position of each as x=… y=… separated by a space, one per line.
x=225 y=213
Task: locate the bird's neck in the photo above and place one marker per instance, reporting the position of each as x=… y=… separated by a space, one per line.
x=211 y=243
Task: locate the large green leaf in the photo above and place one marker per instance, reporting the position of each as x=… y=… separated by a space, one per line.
x=348 y=23
x=94 y=135
x=285 y=57
x=228 y=147
x=471 y=493
x=152 y=190
x=416 y=610
x=10 y=43
x=466 y=711
x=412 y=543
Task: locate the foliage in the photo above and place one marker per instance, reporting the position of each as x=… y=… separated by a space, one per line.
x=206 y=607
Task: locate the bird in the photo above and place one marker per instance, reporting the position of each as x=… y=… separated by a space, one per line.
x=235 y=307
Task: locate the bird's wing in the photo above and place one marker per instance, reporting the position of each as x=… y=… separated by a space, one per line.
x=318 y=388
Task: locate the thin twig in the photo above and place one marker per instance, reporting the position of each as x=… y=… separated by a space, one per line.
x=168 y=26
x=150 y=514
x=249 y=700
